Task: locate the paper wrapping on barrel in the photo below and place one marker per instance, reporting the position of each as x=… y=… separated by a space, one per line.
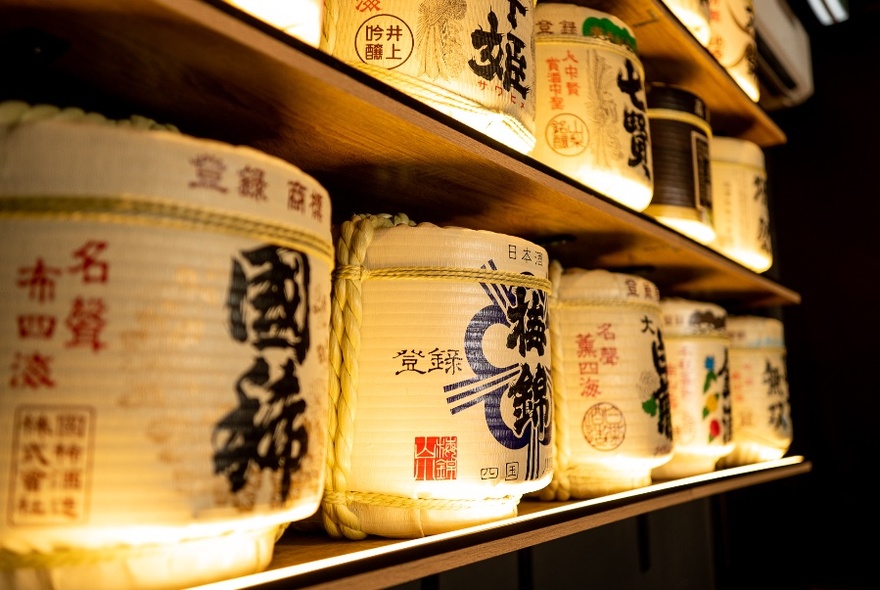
x=740 y=208
x=453 y=392
x=165 y=374
x=762 y=427
x=613 y=415
x=699 y=386
x=732 y=42
x=591 y=116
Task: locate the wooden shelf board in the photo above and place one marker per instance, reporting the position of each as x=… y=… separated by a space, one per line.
x=217 y=73
x=312 y=560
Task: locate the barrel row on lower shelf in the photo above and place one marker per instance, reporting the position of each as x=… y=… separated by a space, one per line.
x=192 y=364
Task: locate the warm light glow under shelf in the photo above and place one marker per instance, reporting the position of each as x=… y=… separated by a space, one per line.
x=693 y=228
x=694 y=15
x=541 y=512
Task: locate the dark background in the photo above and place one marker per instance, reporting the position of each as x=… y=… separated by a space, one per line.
x=818 y=530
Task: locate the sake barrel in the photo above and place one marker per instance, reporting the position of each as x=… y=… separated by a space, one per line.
x=680 y=146
x=442 y=396
x=732 y=42
x=741 y=213
x=612 y=418
x=472 y=60
x=762 y=427
x=166 y=307
x=699 y=386
x=591 y=117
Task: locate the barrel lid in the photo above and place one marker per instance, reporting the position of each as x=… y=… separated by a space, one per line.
x=675 y=98
x=755 y=332
x=589 y=23
x=684 y=317
x=736 y=151
x=600 y=285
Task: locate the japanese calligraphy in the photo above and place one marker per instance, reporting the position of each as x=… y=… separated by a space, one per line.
x=435 y=458
x=594 y=350
x=658 y=403
x=527 y=384
x=51 y=458
x=83 y=327
x=635 y=121
x=268 y=310
x=497 y=59
x=385 y=41
x=422 y=362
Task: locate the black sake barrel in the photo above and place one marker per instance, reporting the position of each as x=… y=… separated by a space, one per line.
x=680 y=136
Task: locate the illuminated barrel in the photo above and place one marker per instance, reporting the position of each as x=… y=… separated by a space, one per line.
x=732 y=42
x=166 y=307
x=739 y=194
x=612 y=419
x=591 y=119
x=442 y=397
x=680 y=145
x=697 y=345
x=470 y=59
x=762 y=428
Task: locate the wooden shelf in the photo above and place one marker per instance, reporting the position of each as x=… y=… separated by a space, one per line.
x=215 y=72
x=311 y=560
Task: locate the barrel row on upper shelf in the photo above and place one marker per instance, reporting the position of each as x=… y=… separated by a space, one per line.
x=193 y=364
x=564 y=84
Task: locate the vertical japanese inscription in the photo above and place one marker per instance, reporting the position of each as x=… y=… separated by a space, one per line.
x=501 y=55
x=268 y=310
x=525 y=385
x=51 y=465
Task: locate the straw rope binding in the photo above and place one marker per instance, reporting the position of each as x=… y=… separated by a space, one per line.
x=345 y=340
x=17 y=111
x=559 y=487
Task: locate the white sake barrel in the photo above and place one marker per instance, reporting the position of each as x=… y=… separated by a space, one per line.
x=591 y=117
x=732 y=42
x=470 y=59
x=740 y=213
x=699 y=386
x=612 y=419
x=442 y=392
x=762 y=428
x=166 y=307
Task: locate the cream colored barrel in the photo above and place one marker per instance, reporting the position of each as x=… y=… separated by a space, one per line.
x=442 y=395
x=302 y=19
x=166 y=307
x=762 y=427
x=591 y=117
x=699 y=386
x=732 y=42
x=740 y=212
x=470 y=59
x=612 y=419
